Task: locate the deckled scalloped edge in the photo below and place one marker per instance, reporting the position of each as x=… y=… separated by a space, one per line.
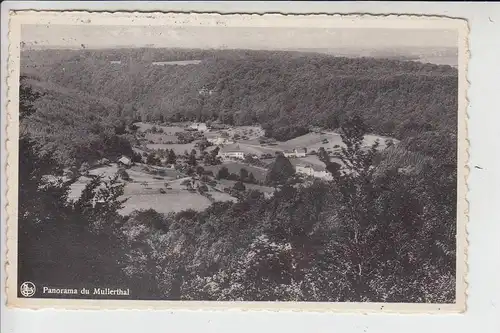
x=136 y=305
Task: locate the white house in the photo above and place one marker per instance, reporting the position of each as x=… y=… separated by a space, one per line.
x=306 y=170
x=295 y=153
x=124 y=160
x=232 y=152
x=205 y=92
x=313 y=171
x=201 y=127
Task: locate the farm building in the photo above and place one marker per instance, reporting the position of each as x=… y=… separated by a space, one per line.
x=201 y=127
x=232 y=154
x=232 y=151
x=295 y=153
x=125 y=161
x=205 y=92
x=313 y=171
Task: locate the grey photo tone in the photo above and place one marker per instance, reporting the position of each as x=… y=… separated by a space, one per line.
x=238 y=164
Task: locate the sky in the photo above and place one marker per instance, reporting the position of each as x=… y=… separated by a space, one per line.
x=93 y=36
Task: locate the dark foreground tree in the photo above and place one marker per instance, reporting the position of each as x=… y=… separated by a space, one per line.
x=223 y=173
x=280 y=171
x=64 y=243
x=171 y=157
x=239 y=186
x=54 y=232
x=243 y=174
x=383 y=213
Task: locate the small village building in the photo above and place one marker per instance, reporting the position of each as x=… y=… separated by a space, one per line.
x=125 y=161
x=200 y=127
x=206 y=92
x=115 y=62
x=295 y=153
x=313 y=171
x=232 y=152
x=268 y=195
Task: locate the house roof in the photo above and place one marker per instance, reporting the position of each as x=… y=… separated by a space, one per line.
x=298 y=150
x=125 y=160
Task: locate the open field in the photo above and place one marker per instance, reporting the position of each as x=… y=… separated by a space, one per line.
x=250 y=132
x=166 y=203
x=258 y=149
x=313 y=161
x=311 y=141
x=178 y=148
x=168 y=134
x=105 y=171
x=141 y=181
x=168 y=130
x=176 y=198
x=308 y=160
x=143 y=192
x=161 y=138
x=144 y=170
x=222 y=196
x=213 y=134
x=370 y=139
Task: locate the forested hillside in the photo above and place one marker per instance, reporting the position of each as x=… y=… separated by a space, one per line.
x=76 y=126
x=285 y=91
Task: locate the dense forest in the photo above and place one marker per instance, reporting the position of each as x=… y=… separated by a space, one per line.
x=76 y=126
x=373 y=233
x=287 y=92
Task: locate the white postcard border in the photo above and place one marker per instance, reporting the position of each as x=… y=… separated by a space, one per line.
x=230 y=20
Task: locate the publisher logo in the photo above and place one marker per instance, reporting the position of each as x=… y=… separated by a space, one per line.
x=28 y=289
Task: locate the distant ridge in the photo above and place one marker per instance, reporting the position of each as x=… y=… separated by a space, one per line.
x=438 y=56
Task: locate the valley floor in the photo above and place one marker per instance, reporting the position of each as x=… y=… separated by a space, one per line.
x=166 y=189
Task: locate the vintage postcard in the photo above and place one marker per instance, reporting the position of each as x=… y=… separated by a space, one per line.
x=265 y=162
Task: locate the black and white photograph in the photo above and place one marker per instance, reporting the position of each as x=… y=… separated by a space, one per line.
x=252 y=162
